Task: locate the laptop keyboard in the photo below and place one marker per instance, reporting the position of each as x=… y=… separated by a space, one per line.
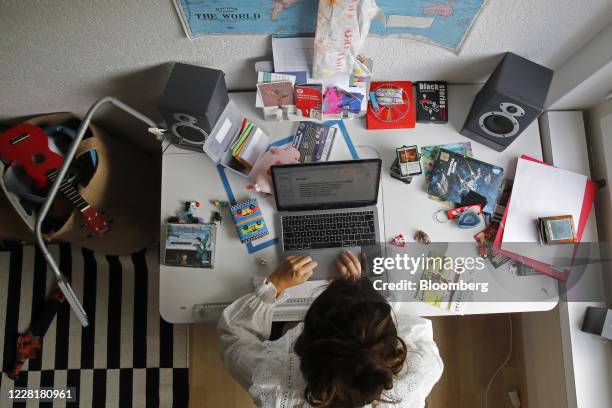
x=329 y=230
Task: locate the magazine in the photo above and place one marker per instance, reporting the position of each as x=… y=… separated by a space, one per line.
x=439 y=275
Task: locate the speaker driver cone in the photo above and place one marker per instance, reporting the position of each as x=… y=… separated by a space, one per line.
x=190 y=133
x=499 y=124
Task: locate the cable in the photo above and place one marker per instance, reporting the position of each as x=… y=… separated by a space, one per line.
x=502 y=364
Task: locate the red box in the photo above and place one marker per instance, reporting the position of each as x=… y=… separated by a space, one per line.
x=405 y=113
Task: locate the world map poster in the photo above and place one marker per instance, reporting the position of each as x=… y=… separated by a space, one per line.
x=442 y=22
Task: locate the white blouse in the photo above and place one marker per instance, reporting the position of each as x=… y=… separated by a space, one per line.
x=270 y=370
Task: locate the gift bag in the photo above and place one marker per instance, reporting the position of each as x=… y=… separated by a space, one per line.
x=342 y=28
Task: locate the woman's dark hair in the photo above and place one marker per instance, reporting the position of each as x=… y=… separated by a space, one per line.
x=349 y=350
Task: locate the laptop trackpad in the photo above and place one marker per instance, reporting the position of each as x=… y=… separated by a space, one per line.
x=326 y=258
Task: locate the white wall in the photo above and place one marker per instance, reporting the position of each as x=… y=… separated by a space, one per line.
x=63 y=54
x=598 y=122
x=585 y=78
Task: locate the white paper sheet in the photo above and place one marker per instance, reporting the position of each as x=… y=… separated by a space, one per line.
x=293 y=54
x=255 y=146
x=541 y=191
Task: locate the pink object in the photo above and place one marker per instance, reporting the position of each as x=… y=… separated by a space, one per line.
x=332 y=101
x=261 y=176
x=399 y=241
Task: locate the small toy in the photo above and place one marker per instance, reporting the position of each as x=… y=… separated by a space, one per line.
x=399 y=241
x=216 y=218
x=261 y=175
x=30 y=343
x=422 y=238
x=188 y=215
x=443 y=216
x=220 y=204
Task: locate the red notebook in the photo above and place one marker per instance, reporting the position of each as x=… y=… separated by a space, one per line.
x=555 y=272
x=392 y=116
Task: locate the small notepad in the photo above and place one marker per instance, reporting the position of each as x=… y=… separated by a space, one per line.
x=249 y=220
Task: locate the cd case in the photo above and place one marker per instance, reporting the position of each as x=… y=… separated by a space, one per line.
x=190 y=245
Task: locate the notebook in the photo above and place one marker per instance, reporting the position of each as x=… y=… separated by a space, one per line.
x=249 y=220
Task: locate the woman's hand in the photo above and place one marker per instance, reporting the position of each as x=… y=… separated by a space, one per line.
x=293 y=271
x=348 y=266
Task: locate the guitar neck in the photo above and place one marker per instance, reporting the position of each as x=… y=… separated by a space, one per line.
x=70 y=192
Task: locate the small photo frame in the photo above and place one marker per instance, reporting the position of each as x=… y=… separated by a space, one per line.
x=409 y=160
x=556 y=230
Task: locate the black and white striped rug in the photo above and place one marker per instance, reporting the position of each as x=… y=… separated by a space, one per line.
x=127 y=357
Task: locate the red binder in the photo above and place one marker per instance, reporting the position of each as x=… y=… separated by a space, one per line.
x=557 y=273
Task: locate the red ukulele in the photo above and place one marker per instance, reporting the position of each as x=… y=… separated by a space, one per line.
x=27 y=146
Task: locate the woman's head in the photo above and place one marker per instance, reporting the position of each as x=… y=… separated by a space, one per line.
x=350 y=351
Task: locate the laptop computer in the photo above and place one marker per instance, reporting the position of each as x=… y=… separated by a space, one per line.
x=327 y=207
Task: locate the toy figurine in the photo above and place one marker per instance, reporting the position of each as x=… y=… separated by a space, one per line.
x=188 y=215
x=215 y=218
x=422 y=238
x=399 y=240
x=30 y=343
x=261 y=175
x=220 y=204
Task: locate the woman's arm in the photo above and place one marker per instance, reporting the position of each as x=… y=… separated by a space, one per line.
x=245 y=324
x=243 y=327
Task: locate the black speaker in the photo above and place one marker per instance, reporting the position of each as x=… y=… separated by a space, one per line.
x=512 y=98
x=598 y=321
x=191 y=104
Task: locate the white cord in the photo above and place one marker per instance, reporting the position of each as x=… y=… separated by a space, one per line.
x=502 y=364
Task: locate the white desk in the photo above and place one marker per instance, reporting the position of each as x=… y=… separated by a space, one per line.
x=406 y=208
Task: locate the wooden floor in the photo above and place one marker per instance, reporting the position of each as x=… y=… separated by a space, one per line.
x=472 y=347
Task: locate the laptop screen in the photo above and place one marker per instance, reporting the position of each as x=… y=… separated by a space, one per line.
x=326 y=185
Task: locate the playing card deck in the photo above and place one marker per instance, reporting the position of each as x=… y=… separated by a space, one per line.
x=431 y=102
